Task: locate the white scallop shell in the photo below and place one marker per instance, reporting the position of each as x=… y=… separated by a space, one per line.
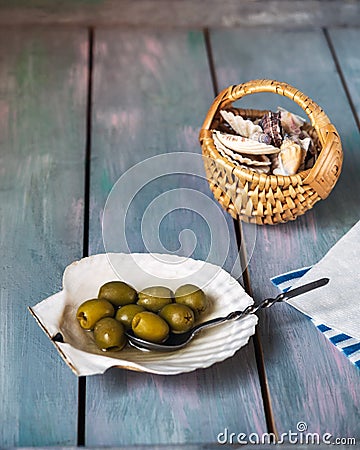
x=244 y=145
x=82 y=280
x=250 y=160
x=244 y=127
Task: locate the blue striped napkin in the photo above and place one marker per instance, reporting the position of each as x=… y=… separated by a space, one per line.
x=343 y=342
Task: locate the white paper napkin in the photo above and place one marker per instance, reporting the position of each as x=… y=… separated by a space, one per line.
x=334 y=308
x=337 y=304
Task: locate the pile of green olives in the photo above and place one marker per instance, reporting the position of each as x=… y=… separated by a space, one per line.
x=151 y=313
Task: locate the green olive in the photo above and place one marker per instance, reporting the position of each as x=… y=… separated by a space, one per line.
x=193 y=297
x=179 y=317
x=109 y=334
x=150 y=327
x=126 y=313
x=93 y=310
x=156 y=297
x=118 y=293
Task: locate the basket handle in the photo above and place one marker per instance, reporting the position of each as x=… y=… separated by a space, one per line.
x=324 y=174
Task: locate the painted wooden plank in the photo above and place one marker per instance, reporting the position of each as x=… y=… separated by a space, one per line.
x=42 y=107
x=151 y=92
x=184 y=13
x=308 y=379
x=345 y=42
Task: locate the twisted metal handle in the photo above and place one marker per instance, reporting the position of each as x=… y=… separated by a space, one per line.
x=283 y=297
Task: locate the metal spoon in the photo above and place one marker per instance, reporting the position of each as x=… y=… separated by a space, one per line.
x=177 y=341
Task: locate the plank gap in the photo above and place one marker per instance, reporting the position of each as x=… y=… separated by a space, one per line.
x=259 y=354
x=81 y=411
x=259 y=357
x=211 y=63
x=341 y=75
x=88 y=142
x=82 y=380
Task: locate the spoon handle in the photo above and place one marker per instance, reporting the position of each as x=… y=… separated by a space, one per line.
x=304 y=288
x=267 y=303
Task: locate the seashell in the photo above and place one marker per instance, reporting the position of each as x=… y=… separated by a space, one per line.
x=271 y=125
x=290 y=158
x=304 y=143
x=244 y=127
x=257 y=169
x=291 y=123
x=82 y=280
x=261 y=137
x=250 y=160
x=241 y=144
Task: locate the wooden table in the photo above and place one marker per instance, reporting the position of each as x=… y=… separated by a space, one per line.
x=78 y=108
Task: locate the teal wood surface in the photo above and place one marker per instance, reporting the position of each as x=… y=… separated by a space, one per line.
x=345 y=42
x=42 y=110
x=151 y=92
x=309 y=380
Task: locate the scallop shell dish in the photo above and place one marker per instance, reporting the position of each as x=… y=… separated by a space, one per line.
x=277 y=143
x=82 y=279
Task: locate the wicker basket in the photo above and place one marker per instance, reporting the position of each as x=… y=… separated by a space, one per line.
x=270 y=199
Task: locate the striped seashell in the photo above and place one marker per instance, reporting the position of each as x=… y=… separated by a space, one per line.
x=290 y=158
x=241 y=144
x=250 y=160
x=271 y=125
x=255 y=168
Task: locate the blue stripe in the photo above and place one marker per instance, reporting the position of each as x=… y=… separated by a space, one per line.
x=290 y=276
x=351 y=349
x=339 y=338
x=323 y=328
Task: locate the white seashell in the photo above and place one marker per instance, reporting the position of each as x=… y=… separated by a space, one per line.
x=261 y=137
x=244 y=127
x=257 y=169
x=82 y=280
x=305 y=143
x=262 y=168
x=251 y=160
x=290 y=158
x=291 y=123
x=244 y=145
